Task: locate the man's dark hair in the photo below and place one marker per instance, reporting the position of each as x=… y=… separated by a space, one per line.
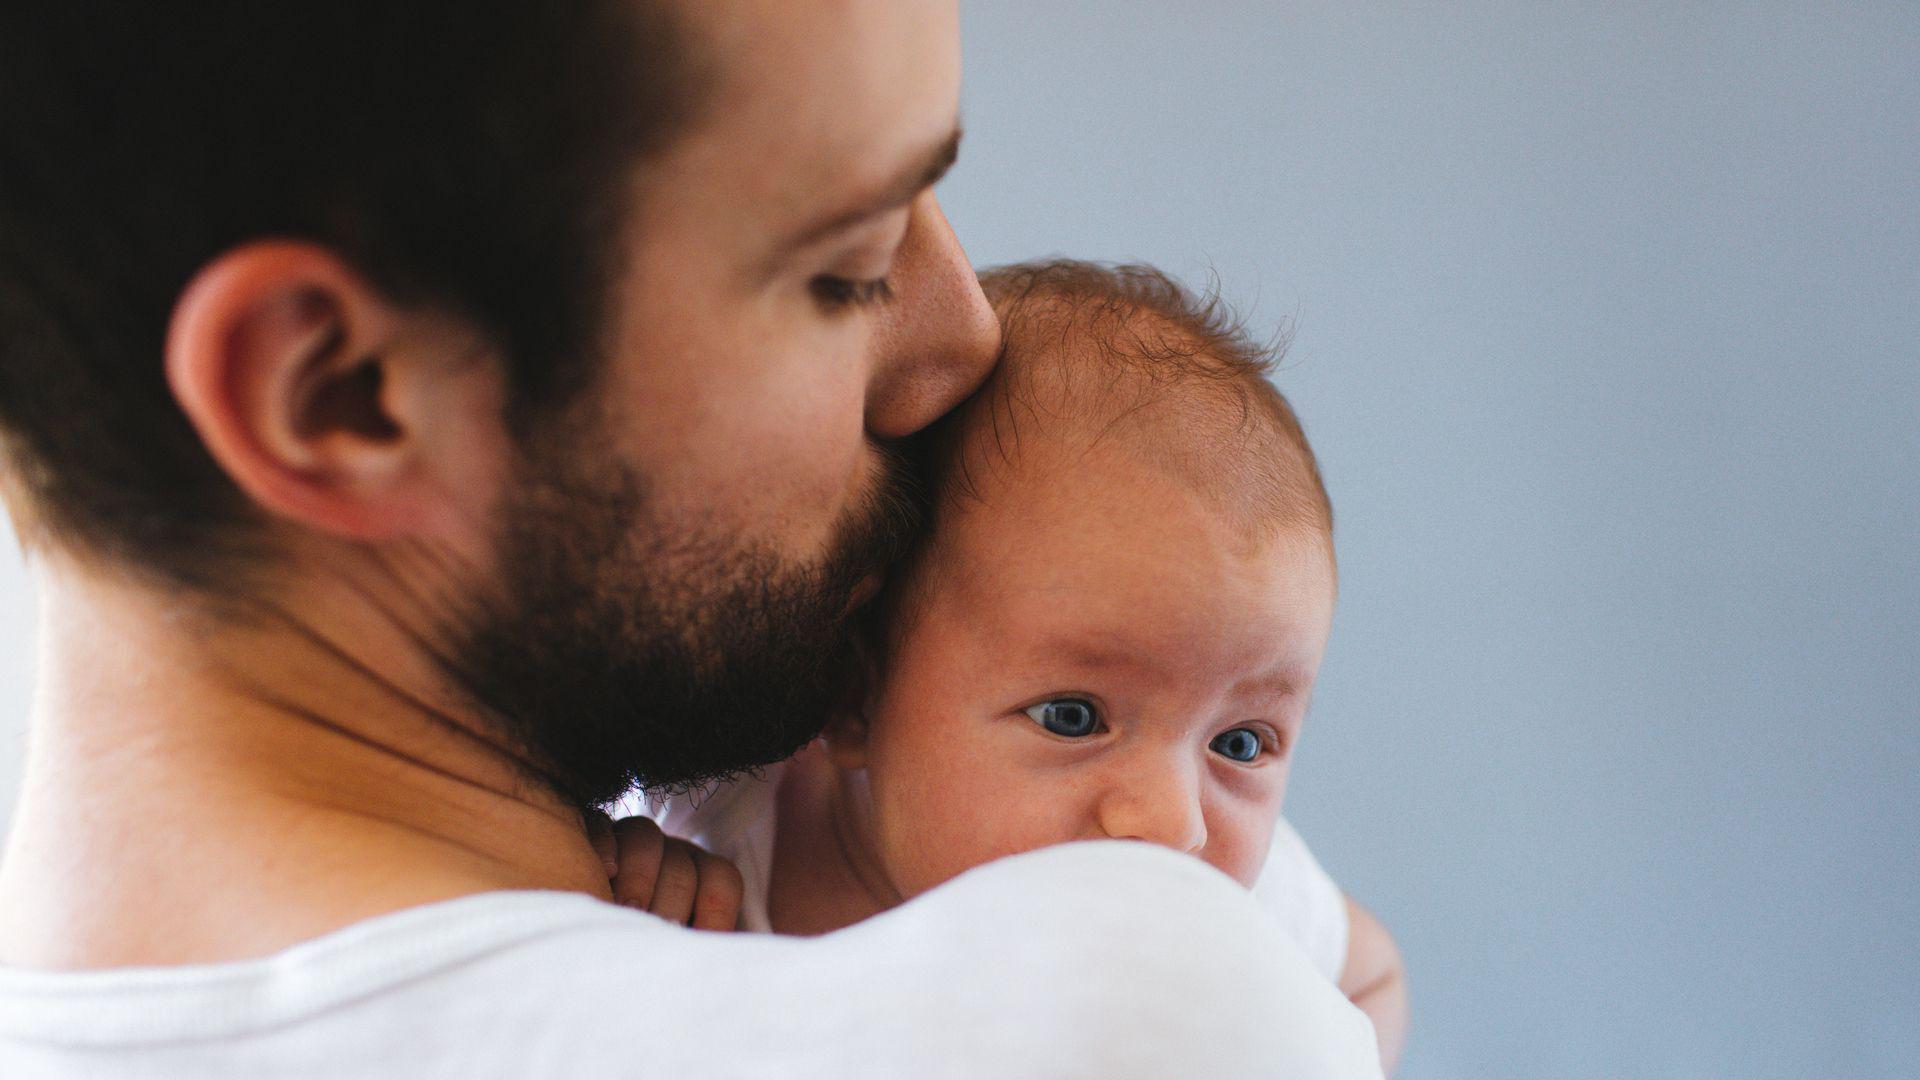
x=474 y=158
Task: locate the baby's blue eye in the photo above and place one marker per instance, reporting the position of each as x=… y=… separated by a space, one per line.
x=1238 y=744
x=1070 y=717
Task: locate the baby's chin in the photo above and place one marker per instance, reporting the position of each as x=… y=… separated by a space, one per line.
x=912 y=875
x=911 y=878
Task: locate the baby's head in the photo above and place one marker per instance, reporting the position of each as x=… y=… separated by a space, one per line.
x=1115 y=623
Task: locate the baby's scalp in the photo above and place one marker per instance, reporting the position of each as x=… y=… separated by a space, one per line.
x=1121 y=361
x=1125 y=360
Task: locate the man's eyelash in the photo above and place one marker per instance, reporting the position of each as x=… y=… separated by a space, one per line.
x=842 y=292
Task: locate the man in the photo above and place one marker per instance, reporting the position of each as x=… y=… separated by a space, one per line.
x=428 y=421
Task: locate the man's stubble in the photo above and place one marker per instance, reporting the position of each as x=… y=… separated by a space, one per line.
x=616 y=650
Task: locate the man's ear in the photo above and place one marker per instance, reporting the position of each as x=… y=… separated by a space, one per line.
x=295 y=372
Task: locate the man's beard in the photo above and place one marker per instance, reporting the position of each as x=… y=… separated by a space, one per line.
x=618 y=652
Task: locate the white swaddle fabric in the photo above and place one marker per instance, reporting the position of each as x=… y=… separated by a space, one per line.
x=738 y=821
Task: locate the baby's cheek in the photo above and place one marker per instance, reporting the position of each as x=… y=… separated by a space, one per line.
x=953 y=827
x=1237 y=846
x=1240 y=866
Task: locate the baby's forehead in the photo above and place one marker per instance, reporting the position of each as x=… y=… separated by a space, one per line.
x=1148 y=574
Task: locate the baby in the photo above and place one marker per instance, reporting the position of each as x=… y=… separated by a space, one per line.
x=1112 y=630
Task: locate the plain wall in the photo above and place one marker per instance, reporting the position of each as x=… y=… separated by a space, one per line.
x=1606 y=323
x=1606 y=338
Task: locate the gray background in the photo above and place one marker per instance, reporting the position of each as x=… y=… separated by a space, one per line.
x=1606 y=338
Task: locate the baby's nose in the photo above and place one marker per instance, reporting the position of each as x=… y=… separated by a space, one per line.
x=1163 y=809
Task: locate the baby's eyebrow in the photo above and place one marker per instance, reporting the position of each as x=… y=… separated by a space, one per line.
x=1092 y=656
x=1281 y=681
x=1284 y=681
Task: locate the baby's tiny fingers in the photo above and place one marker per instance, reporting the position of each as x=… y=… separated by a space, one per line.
x=600 y=835
x=717 y=904
x=679 y=880
x=641 y=846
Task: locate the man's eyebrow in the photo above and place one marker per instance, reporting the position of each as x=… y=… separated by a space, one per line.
x=917 y=175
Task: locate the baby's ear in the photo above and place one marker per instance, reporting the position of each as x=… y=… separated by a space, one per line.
x=846 y=732
x=846 y=738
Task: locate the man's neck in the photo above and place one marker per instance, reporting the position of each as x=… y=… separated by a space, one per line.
x=197 y=791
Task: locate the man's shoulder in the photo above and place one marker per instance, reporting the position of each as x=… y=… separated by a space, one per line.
x=1128 y=959
x=1122 y=959
x=1101 y=959
x=505 y=983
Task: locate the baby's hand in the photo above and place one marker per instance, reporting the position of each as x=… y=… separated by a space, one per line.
x=670 y=877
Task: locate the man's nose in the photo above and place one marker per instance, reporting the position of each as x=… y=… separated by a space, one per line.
x=938 y=337
x=1159 y=805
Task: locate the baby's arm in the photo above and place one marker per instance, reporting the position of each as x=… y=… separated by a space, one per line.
x=1375 y=980
x=1346 y=943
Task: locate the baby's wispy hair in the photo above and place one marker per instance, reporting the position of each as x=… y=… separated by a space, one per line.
x=1125 y=354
